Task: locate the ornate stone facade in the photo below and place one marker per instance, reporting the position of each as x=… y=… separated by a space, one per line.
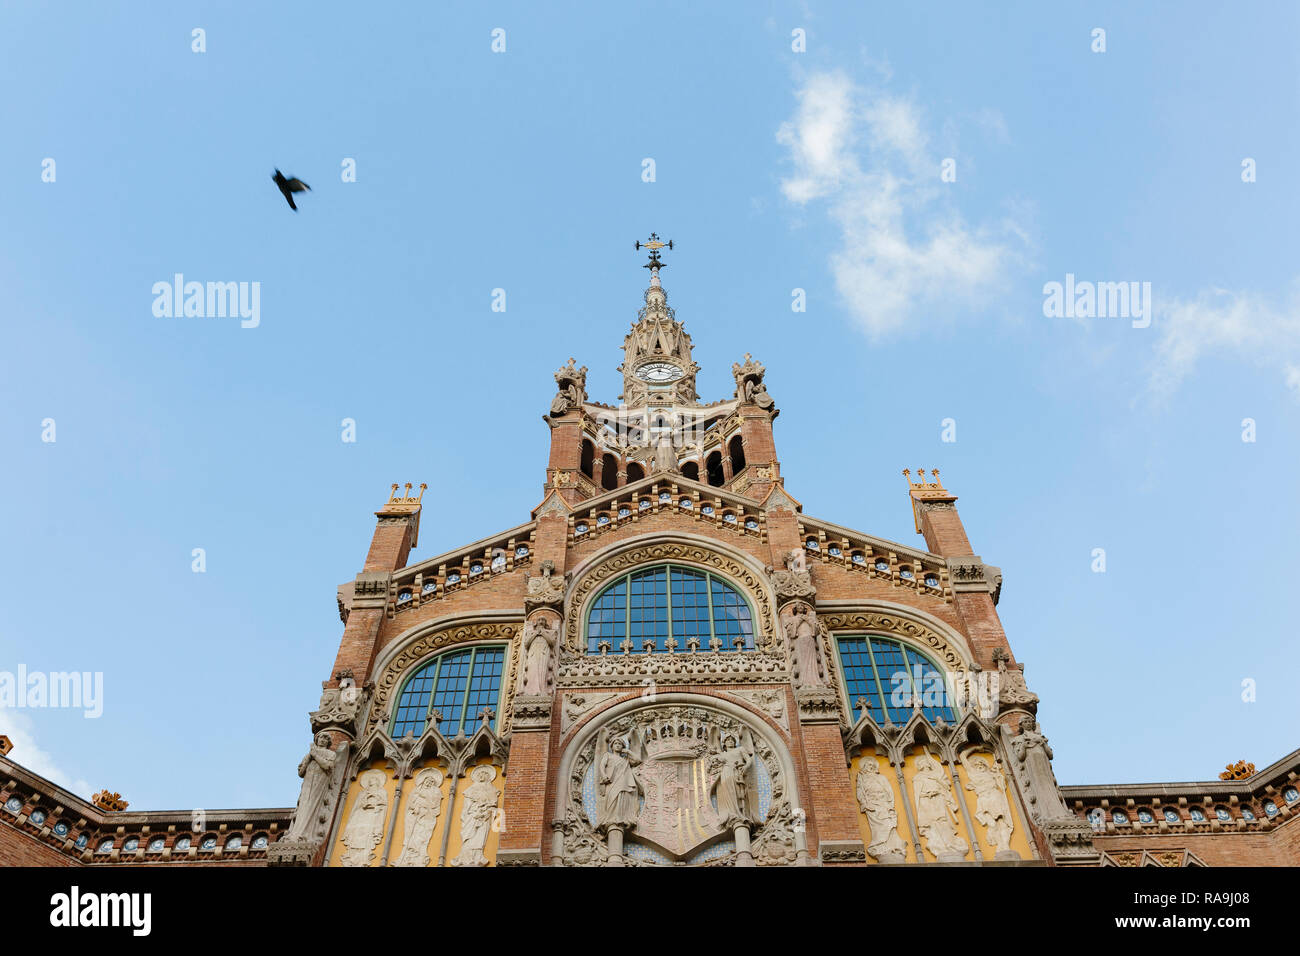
x=667 y=664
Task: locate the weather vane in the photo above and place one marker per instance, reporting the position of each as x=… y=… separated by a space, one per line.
x=654 y=245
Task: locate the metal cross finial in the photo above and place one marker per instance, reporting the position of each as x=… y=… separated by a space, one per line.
x=654 y=244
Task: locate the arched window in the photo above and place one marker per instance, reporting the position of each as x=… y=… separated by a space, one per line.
x=736 y=447
x=457 y=684
x=691 y=470
x=588 y=458
x=669 y=601
x=634 y=472
x=893 y=677
x=713 y=468
x=609 y=472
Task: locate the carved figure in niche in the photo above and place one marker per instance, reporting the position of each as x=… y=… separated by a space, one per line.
x=936 y=809
x=540 y=637
x=802 y=633
x=476 y=815
x=736 y=786
x=991 y=805
x=618 y=792
x=317 y=772
x=422 y=808
x=876 y=798
x=365 y=828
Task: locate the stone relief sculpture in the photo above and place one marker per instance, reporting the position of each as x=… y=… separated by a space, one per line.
x=736 y=786
x=317 y=770
x=749 y=383
x=541 y=635
x=617 y=788
x=992 y=808
x=422 y=808
x=795 y=580
x=365 y=827
x=936 y=810
x=572 y=383
x=803 y=636
x=669 y=780
x=876 y=798
x=476 y=815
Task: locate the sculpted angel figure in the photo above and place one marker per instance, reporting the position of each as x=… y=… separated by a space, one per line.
x=736 y=786
x=876 y=798
x=316 y=770
x=618 y=802
x=936 y=808
x=991 y=805
x=365 y=829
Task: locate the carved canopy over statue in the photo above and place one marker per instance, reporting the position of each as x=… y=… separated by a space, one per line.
x=794 y=580
x=572 y=383
x=544 y=590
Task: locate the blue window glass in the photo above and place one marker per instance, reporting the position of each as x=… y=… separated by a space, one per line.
x=892 y=677
x=669 y=602
x=457 y=684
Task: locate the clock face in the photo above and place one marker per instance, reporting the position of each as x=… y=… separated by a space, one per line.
x=659 y=373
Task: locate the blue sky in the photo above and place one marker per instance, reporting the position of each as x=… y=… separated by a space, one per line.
x=522 y=170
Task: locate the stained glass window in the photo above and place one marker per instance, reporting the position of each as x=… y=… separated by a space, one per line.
x=668 y=601
x=457 y=684
x=893 y=678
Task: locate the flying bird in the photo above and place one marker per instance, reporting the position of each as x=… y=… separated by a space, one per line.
x=289 y=187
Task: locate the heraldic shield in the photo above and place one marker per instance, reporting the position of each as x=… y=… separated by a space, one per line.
x=694 y=782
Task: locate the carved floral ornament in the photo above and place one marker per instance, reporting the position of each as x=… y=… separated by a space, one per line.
x=752 y=583
x=395 y=671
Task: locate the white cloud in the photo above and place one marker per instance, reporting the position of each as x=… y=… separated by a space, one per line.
x=1221 y=322
x=903 y=248
x=18 y=728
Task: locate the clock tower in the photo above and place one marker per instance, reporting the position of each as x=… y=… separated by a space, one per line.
x=657 y=367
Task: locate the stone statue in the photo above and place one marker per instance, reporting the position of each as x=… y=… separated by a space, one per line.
x=796 y=561
x=736 y=786
x=540 y=637
x=802 y=634
x=876 y=798
x=365 y=827
x=572 y=384
x=317 y=772
x=936 y=810
x=618 y=801
x=758 y=395
x=665 y=459
x=1033 y=759
x=991 y=805
x=543 y=591
x=422 y=808
x=476 y=814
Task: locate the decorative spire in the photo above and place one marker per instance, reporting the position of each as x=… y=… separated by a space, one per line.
x=655 y=263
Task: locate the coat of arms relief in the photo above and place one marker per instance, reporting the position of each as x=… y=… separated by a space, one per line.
x=680 y=785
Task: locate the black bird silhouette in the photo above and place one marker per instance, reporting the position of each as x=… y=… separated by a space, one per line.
x=289 y=187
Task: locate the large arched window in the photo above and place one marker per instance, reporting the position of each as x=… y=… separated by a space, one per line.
x=669 y=602
x=893 y=677
x=457 y=684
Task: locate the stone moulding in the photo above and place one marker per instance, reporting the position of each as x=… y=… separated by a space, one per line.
x=622 y=670
x=396 y=670
x=893 y=623
x=700 y=555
